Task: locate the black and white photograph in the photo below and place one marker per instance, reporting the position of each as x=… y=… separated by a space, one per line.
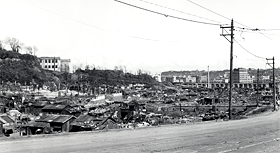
x=139 y=76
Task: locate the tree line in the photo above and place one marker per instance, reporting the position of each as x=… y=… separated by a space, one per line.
x=16 y=46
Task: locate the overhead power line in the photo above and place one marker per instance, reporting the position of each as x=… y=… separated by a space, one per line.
x=179 y=11
x=248 y=50
x=256 y=60
x=208 y=9
x=256 y=32
x=257 y=29
x=224 y=16
x=166 y=15
x=84 y=23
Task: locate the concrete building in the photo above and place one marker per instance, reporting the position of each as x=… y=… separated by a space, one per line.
x=157 y=77
x=241 y=75
x=204 y=79
x=65 y=65
x=55 y=64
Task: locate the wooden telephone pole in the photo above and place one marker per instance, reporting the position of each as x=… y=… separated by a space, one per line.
x=231 y=62
x=273 y=82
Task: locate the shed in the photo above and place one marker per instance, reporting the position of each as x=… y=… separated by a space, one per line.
x=7 y=124
x=108 y=123
x=36 y=128
x=60 y=123
x=37 y=106
x=85 y=123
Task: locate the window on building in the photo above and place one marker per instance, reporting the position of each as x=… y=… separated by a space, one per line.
x=49 y=66
x=46 y=61
x=56 y=61
x=52 y=66
x=56 y=66
x=46 y=66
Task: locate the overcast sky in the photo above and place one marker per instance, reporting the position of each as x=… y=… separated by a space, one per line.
x=106 y=33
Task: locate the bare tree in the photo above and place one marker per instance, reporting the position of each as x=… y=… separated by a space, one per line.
x=116 y=68
x=139 y=72
x=2 y=45
x=28 y=49
x=124 y=68
x=35 y=49
x=14 y=43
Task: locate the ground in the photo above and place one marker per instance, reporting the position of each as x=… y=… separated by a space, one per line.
x=260 y=133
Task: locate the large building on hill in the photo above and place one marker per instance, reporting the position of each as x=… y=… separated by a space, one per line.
x=55 y=64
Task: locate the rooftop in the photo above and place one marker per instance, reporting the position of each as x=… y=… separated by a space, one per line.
x=55 y=118
x=55 y=107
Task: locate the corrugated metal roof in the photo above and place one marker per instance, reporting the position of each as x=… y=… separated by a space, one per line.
x=85 y=118
x=40 y=103
x=47 y=118
x=37 y=124
x=62 y=119
x=55 y=107
x=6 y=119
x=55 y=118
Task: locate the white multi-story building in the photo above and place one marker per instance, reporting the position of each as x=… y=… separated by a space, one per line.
x=55 y=64
x=244 y=76
x=241 y=75
x=204 y=79
x=65 y=65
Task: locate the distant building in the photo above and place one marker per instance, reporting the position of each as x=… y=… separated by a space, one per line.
x=157 y=77
x=65 y=65
x=191 y=79
x=55 y=64
x=179 y=78
x=204 y=79
x=241 y=75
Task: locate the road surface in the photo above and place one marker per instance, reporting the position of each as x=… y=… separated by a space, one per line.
x=256 y=134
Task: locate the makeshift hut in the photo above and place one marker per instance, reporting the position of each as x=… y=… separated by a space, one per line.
x=59 y=123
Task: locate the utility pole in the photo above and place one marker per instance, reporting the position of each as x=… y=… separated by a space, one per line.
x=208 y=78
x=231 y=62
x=273 y=82
x=258 y=87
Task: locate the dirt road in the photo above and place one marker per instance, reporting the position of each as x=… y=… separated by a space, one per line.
x=256 y=134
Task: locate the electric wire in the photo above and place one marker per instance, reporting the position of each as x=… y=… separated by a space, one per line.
x=179 y=11
x=257 y=29
x=224 y=17
x=256 y=33
x=248 y=50
x=166 y=15
x=136 y=37
x=255 y=60
x=208 y=9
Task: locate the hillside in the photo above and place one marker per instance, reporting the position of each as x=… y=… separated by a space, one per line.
x=26 y=69
x=21 y=68
x=96 y=77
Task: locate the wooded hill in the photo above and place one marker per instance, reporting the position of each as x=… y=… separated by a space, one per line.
x=26 y=69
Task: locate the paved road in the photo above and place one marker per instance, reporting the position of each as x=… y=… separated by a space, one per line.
x=256 y=134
